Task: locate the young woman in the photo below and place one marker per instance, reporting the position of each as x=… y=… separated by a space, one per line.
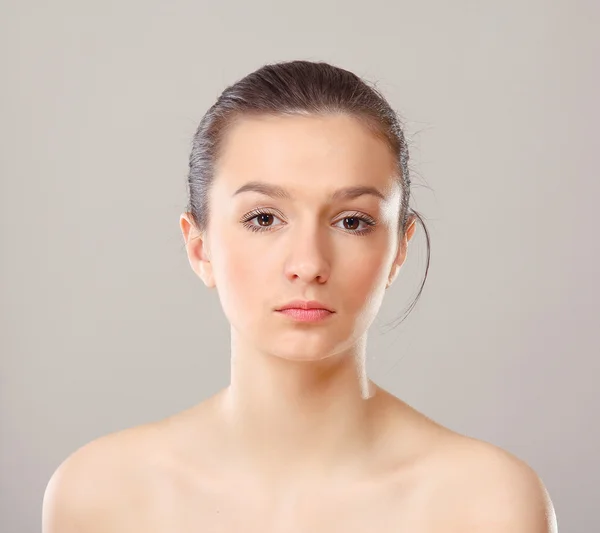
x=299 y=217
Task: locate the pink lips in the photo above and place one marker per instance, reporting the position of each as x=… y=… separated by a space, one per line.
x=306 y=315
x=306 y=311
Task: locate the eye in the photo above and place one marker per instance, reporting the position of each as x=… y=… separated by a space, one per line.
x=355 y=220
x=264 y=218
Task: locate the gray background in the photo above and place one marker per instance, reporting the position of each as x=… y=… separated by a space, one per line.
x=104 y=324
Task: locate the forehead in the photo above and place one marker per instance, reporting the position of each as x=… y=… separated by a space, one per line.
x=329 y=150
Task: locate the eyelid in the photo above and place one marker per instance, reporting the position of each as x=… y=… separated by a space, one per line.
x=261 y=211
x=366 y=219
x=272 y=211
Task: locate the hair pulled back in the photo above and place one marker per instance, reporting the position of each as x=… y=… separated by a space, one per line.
x=297 y=88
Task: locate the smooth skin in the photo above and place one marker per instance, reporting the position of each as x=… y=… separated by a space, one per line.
x=301 y=440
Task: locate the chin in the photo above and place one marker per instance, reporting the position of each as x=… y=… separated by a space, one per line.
x=302 y=358
x=303 y=353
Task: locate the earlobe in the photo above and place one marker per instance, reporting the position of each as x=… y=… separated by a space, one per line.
x=205 y=273
x=393 y=274
x=197 y=250
x=401 y=252
x=412 y=227
x=201 y=256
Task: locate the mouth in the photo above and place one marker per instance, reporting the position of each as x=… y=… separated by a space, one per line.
x=306 y=315
x=305 y=305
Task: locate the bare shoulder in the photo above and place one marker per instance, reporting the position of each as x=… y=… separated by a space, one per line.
x=99 y=483
x=486 y=488
x=470 y=484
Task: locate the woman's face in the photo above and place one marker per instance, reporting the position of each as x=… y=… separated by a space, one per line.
x=263 y=251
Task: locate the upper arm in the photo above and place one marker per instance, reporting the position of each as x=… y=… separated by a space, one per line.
x=68 y=505
x=510 y=498
x=57 y=506
x=62 y=504
x=80 y=494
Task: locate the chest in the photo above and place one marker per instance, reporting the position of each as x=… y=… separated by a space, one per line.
x=321 y=510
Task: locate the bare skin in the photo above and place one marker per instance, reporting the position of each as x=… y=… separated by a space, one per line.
x=301 y=440
x=173 y=475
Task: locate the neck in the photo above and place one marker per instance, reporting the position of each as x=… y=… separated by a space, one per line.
x=294 y=418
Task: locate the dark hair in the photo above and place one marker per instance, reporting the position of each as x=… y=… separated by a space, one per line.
x=296 y=88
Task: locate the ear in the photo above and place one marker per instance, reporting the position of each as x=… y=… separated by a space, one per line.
x=198 y=251
x=402 y=249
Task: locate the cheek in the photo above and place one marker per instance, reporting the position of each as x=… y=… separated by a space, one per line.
x=363 y=279
x=242 y=277
x=245 y=276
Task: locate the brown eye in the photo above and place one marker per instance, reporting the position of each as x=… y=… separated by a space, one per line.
x=264 y=222
x=354 y=224
x=258 y=220
x=264 y=217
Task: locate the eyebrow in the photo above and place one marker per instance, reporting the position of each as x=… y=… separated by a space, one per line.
x=276 y=191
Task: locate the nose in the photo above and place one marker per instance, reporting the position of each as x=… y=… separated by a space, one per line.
x=308 y=257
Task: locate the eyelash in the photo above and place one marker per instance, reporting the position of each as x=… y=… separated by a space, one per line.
x=258 y=212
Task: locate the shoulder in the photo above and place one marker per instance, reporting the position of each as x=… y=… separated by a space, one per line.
x=486 y=488
x=472 y=485
x=97 y=483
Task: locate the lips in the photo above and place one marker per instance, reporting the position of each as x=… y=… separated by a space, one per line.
x=304 y=304
x=306 y=315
